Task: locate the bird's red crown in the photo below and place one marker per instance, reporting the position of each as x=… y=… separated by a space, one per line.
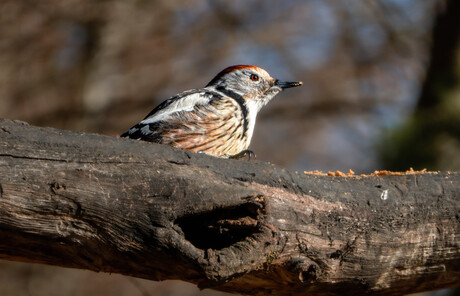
x=231 y=69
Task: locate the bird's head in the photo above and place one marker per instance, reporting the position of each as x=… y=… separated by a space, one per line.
x=252 y=83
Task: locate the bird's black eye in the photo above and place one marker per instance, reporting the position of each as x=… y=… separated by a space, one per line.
x=254 y=77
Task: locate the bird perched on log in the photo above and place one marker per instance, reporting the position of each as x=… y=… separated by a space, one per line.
x=218 y=119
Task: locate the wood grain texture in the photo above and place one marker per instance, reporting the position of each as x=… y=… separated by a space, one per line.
x=147 y=210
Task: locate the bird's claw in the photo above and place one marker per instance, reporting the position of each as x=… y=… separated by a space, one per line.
x=249 y=153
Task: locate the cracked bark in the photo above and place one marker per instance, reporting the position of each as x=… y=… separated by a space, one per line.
x=151 y=211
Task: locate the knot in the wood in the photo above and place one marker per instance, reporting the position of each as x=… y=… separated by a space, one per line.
x=221 y=228
x=308 y=270
x=233 y=239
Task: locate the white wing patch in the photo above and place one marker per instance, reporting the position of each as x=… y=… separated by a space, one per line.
x=146 y=130
x=186 y=103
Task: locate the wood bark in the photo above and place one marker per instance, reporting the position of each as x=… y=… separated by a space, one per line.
x=151 y=211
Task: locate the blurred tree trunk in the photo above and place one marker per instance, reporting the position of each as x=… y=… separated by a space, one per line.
x=146 y=210
x=443 y=71
x=431 y=137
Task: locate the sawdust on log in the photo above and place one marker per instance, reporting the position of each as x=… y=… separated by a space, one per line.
x=350 y=173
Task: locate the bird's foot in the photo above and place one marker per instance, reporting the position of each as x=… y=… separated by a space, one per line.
x=249 y=153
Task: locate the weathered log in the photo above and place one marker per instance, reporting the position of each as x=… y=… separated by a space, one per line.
x=151 y=211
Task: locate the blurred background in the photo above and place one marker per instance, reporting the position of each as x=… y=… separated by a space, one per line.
x=381 y=86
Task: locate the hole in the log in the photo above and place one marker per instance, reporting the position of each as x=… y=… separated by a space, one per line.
x=221 y=228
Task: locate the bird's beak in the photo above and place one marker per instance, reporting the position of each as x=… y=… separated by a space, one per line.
x=285 y=84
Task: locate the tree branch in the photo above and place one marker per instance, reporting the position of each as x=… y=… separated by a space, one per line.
x=151 y=211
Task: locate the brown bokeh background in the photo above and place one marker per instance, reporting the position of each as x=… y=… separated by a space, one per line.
x=380 y=86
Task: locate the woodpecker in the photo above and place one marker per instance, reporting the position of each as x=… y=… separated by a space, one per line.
x=218 y=119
